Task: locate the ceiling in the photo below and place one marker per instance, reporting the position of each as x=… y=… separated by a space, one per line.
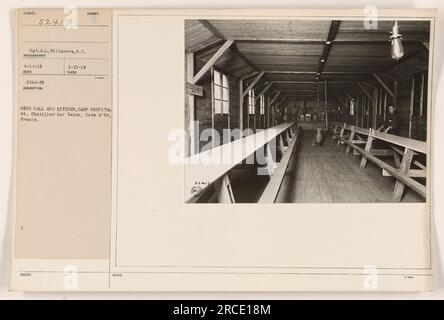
x=290 y=51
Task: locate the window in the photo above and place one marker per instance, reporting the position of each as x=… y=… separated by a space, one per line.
x=262 y=104
x=251 y=102
x=221 y=93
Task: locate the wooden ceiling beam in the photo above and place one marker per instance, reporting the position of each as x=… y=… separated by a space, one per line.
x=314 y=72
x=334 y=27
x=310 y=82
x=317 y=41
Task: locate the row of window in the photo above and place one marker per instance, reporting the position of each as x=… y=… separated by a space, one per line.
x=221 y=96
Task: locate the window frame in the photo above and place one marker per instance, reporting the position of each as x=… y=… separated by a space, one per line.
x=262 y=105
x=219 y=87
x=251 y=102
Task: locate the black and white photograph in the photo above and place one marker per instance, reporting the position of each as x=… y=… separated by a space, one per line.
x=307 y=111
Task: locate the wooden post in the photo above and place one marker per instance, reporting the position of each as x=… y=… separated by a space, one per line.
x=356 y=111
x=363 y=103
x=395 y=94
x=326 y=104
x=375 y=108
x=412 y=101
x=421 y=97
x=241 y=106
x=192 y=134
x=380 y=102
x=367 y=112
x=271 y=113
x=385 y=105
x=212 y=107
x=404 y=169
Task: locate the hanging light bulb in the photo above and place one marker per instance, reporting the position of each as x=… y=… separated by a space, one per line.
x=395 y=40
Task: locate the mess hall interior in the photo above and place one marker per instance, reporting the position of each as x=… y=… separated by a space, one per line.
x=340 y=108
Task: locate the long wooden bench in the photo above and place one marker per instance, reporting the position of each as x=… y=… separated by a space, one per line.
x=206 y=170
x=400 y=147
x=274 y=185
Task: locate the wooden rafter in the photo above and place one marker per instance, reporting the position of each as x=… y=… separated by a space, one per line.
x=264 y=90
x=334 y=27
x=275 y=97
x=383 y=84
x=368 y=95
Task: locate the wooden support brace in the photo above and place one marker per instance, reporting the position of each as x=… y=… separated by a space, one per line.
x=365 y=91
x=384 y=85
x=413 y=173
x=252 y=84
x=212 y=61
x=382 y=152
x=263 y=91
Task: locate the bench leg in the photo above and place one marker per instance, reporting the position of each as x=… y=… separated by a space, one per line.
x=341 y=134
x=287 y=137
x=352 y=135
x=404 y=168
x=281 y=145
x=271 y=164
x=397 y=159
x=224 y=193
x=368 y=147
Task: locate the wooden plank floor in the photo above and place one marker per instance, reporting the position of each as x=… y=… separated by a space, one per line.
x=327 y=174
